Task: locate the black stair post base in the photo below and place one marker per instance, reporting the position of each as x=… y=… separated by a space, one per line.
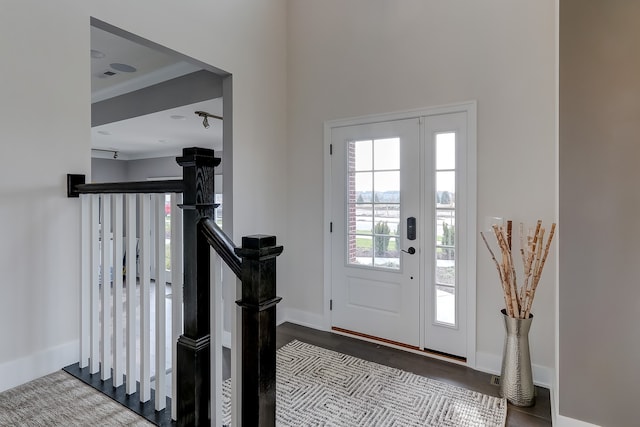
x=194 y=364
x=258 y=304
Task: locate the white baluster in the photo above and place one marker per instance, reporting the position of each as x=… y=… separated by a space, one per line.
x=94 y=292
x=105 y=211
x=229 y=302
x=216 y=338
x=85 y=279
x=236 y=361
x=118 y=347
x=176 y=294
x=131 y=254
x=145 y=309
x=161 y=377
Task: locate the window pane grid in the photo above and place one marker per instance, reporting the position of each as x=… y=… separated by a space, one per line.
x=373 y=204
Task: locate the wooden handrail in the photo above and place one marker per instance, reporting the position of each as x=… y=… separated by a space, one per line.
x=76 y=186
x=222 y=244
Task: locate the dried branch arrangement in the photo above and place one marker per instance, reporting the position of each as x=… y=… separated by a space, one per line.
x=534 y=252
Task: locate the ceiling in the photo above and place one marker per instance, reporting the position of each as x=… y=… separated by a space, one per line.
x=158 y=134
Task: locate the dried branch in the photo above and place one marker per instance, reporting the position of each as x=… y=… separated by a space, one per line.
x=493 y=256
x=536 y=277
x=510 y=272
x=518 y=300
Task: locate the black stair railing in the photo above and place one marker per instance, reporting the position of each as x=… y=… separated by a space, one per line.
x=254 y=263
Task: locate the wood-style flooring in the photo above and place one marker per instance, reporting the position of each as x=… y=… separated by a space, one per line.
x=538 y=415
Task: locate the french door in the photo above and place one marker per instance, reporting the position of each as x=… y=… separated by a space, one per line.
x=395 y=240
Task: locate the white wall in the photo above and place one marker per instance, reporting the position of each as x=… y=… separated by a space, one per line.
x=107 y=170
x=159 y=167
x=110 y=170
x=45 y=67
x=360 y=57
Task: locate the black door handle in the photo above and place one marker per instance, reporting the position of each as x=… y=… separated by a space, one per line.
x=410 y=251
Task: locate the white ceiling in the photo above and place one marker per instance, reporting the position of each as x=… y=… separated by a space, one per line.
x=151 y=135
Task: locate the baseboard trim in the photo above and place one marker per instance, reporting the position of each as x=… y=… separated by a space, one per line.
x=19 y=371
x=492 y=363
x=303 y=318
x=562 y=421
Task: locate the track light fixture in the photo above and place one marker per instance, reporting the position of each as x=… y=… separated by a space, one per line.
x=115 y=153
x=205 y=116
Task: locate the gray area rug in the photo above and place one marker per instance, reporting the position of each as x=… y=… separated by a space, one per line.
x=319 y=387
x=59 y=399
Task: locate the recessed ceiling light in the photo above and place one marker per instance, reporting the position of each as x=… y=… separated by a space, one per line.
x=95 y=54
x=177 y=117
x=125 y=68
x=163 y=141
x=104 y=132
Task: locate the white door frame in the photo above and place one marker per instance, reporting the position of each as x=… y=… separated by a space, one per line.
x=470 y=109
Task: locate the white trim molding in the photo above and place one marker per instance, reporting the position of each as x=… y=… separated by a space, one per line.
x=302 y=318
x=470 y=109
x=492 y=363
x=562 y=421
x=19 y=371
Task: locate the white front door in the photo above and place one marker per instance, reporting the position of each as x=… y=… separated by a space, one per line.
x=376 y=182
x=398 y=231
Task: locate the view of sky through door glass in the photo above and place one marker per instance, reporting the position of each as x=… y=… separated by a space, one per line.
x=373 y=202
x=445 y=222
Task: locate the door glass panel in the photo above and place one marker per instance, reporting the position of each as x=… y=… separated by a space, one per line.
x=446 y=223
x=446 y=151
x=389 y=213
x=445 y=267
x=360 y=250
x=362 y=221
x=445 y=188
x=363 y=187
x=445 y=232
x=362 y=156
x=387 y=154
x=373 y=202
x=387 y=186
x=446 y=304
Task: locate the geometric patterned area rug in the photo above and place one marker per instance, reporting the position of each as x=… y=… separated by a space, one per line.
x=320 y=387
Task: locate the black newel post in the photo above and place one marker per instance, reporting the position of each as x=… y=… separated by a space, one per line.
x=193 y=353
x=258 y=304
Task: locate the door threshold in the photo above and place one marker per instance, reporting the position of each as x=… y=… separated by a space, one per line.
x=446 y=357
x=376 y=339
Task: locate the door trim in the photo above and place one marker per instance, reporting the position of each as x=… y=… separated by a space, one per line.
x=470 y=108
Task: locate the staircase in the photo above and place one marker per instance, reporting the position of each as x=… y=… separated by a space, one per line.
x=122 y=228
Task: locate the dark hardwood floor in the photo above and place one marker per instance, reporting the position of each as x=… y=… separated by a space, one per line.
x=538 y=415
